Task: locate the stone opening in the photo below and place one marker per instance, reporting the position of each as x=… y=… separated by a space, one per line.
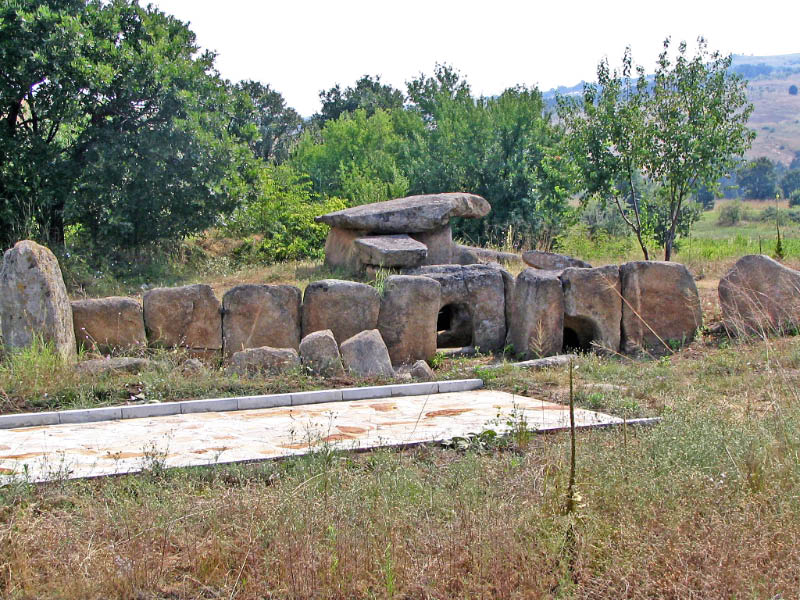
x=454 y=326
x=579 y=333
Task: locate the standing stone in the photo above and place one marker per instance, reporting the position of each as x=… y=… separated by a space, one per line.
x=319 y=353
x=187 y=317
x=439 y=243
x=661 y=306
x=109 y=324
x=33 y=300
x=365 y=355
x=264 y=360
x=340 y=249
x=759 y=295
x=407 y=321
x=475 y=294
x=344 y=307
x=261 y=315
x=537 y=322
x=593 y=307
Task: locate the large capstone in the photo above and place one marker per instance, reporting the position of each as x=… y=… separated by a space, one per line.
x=661 y=307
x=408 y=317
x=187 y=317
x=365 y=355
x=759 y=295
x=33 y=300
x=109 y=324
x=408 y=215
x=344 y=307
x=261 y=315
x=537 y=314
x=550 y=261
x=592 y=309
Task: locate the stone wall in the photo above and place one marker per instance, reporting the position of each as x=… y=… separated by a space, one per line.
x=637 y=307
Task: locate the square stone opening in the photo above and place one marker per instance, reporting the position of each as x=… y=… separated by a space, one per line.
x=579 y=334
x=454 y=326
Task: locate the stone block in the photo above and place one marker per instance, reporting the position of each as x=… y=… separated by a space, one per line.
x=408 y=317
x=344 y=307
x=261 y=315
x=109 y=324
x=183 y=317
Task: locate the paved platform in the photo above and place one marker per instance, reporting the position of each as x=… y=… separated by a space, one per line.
x=114 y=447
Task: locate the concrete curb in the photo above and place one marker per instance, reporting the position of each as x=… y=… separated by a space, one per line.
x=138 y=411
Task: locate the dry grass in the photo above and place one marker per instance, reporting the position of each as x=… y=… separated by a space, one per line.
x=704 y=505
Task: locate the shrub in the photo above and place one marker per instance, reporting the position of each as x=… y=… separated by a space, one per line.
x=730 y=214
x=794 y=198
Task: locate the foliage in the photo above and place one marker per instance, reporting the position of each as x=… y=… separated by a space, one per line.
x=794 y=198
x=279 y=218
x=790 y=182
x=277 y=125
x=757 y=179
x=354 y=157
x=114 y=122
x=368 y=94
x=706 y=197
x=793 y=90
x=681 y=132
x=730 y=214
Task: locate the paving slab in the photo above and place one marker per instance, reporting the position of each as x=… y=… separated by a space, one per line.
x=94 y=449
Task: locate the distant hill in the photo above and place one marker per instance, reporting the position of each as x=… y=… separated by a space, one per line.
x=776 y=116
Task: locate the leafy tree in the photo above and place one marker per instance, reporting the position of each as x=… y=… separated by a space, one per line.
x=368 y=94
x=354 y=157
x=682 y=132
x=790 y=182
x=706 y=198
x=793 y=90
x=113 y=123
x=278 y=126
x=757 y=179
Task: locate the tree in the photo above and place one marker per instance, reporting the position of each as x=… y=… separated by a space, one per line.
x=368 y=94
x=793 y=90
x=114 y=123
x=757 y=179
x=278 y=126
x=682 y=131
x=790 y=182
x=354 y=157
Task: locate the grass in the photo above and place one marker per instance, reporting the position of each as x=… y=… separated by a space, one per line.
x=703 y=505
x=664 y=511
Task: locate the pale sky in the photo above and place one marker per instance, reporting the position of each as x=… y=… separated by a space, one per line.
x=305 y=46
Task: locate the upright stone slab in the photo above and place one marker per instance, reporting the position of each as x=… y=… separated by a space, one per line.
x=407 y=321
x=108 y=324
x=261 y=315
x=344 y=307
x=340 y=249
x=537 y=321
x=592 y=308
x=478 y=293
x=661 y=306
x=183 y=317
x=759 y=295
x=33 y=300
x=439 y=243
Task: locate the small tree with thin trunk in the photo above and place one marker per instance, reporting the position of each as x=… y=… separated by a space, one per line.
x=680 y=131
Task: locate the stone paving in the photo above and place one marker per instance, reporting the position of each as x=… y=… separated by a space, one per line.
x=115 y=447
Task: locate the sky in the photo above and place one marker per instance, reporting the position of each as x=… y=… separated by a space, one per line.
x=301 y=47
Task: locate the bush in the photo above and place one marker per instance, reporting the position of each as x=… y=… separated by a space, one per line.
x=794 y=198
x=730 y=214
x=279 y=222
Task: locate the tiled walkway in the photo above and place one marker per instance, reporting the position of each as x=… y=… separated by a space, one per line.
x=113 y=447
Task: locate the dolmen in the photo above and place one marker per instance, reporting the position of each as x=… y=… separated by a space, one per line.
x=402 y=233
